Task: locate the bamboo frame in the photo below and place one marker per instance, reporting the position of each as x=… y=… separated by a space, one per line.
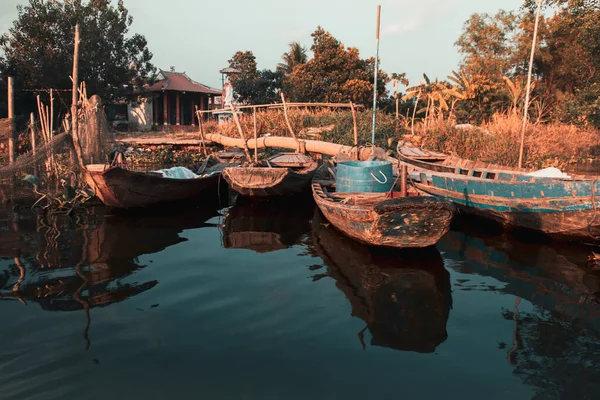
x=277 y=105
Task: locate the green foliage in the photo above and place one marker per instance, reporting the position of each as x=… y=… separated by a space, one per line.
x=334 y=74
x=38 y=49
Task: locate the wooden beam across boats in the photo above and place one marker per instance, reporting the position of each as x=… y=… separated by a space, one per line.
x=377 y=220
x=561 y=207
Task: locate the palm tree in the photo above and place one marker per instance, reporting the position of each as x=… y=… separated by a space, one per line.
x=293 y=58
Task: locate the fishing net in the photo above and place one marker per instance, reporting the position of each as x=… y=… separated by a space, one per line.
x=55 y=161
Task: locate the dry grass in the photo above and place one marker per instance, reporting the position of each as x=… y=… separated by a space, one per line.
x=498 y=141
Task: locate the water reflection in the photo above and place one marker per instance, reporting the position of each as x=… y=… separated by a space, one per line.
x=68 y=264
x=403 y=296
x=265 y=226
x=556 y=346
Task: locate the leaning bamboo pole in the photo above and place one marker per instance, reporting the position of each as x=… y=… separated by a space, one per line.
x=528 y=89
x=240 y=131
x=11 y=117
x=312 y=146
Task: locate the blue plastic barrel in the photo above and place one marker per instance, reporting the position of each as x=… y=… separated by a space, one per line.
x=364 y=176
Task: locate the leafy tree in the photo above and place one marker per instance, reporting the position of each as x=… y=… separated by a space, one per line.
x=252 y=86
x=245 y=62
x=334 y=74
x=38 y=48
x=296 y=56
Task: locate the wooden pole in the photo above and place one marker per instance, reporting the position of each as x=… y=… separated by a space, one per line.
x=528 y=89
x=240 y=131
x=376 y=73
x=355 y=128
x=404 y=181
x=11 y=117
x=255 y=137
x=51 y=112
x=203 y=145
x=74 y=116
x=32 y=128
x=287 y=120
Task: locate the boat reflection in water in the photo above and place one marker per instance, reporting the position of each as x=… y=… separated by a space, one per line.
x=266 y=226
x=556 y=345
x=404 y=296
x=68 y=264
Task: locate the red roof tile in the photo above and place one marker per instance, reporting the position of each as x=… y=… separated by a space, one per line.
x=180 y=82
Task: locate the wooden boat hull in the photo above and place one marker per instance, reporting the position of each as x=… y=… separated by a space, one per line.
x=120 y=188
x=567 y=209
x=265 y=182
x=401 y=223
x=572 y=213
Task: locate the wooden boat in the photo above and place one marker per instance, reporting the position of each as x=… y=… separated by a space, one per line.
x=375 y=219
x=558 y=207
x=283 y=174
x=403 y=296
x=121 y=188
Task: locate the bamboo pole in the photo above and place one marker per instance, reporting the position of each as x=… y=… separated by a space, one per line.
x=201 y=126
x=11 y=117
x=255 y=136
x=241 y=132
x=51 y=112
x=376 y=73
x=32 y=127
x=312 y=146
x=528 y=89
x=74 y=116
x=355 y=128
x=412 y=125
x=287 y=120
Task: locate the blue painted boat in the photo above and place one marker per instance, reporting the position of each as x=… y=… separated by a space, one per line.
x=559 y=207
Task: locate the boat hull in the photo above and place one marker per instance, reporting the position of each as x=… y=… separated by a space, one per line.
x=411 y=222
x=120 y=188
x=574 y=215
x=261 y=182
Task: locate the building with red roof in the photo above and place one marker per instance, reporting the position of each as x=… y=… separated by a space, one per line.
x=176 y=97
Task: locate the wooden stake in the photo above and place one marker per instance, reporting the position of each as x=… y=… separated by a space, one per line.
x=255 y=137
x=355 y=128
x=287 y=120
x=528 y=89
x=32 y=128
x=51 y=113
x=404 y=180
x=11 y=117
x=74 y=116
x=241 y=132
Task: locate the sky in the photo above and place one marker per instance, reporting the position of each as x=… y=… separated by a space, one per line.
x=199 y=36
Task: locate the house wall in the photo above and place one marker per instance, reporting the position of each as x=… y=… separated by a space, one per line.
x=140 y=115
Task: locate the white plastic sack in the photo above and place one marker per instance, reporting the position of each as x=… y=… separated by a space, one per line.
x=549 y=173
x=177 y=173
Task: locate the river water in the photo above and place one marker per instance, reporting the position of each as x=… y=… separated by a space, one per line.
x=270 y=302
